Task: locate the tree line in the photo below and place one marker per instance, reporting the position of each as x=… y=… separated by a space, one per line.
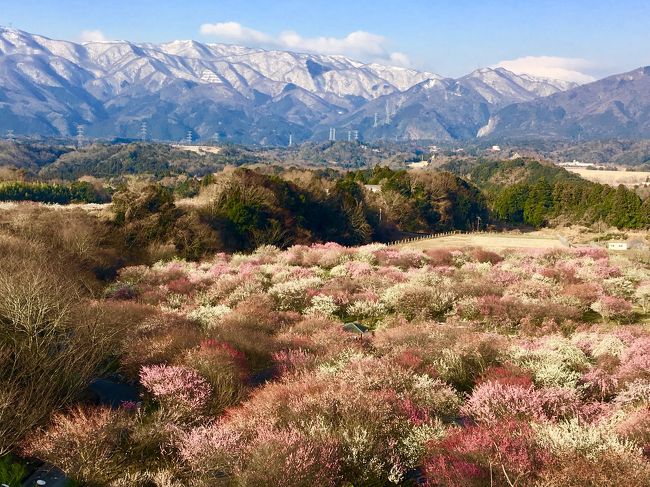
x=75 y=192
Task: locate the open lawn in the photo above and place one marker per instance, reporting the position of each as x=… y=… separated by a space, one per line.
x=497 y=241
x=613 y=178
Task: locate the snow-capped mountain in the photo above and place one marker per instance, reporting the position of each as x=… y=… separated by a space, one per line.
x=241 y=94
x=501 y=87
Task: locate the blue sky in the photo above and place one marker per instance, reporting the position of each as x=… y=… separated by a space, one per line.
x=572 y=39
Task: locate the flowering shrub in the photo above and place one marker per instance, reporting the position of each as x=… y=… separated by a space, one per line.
x=491 y=402
x=292 y=295
x=209 y=316
x=571 y=437
x=322 y=304
x=224 y=369
x=369 y=311
x=612 y=308
x=477 y=455
x=176 y=386
x=417 y=301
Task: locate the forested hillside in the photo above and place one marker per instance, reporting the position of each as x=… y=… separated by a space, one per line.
x=525 y=191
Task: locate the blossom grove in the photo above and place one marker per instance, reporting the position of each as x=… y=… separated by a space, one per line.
x=479 y=368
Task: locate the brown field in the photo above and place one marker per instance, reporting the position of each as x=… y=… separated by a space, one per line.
x=199 y=149
x=500 y=241
x=613 y=178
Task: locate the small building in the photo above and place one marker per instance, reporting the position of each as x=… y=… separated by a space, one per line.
x=373 y=188
x=617 y=245
x=496 y=148
x=418 y=165
x=577 y=164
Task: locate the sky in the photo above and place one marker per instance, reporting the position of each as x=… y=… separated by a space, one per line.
x=575 y=40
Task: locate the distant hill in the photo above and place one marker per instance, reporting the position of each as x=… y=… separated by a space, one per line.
x=115 y=160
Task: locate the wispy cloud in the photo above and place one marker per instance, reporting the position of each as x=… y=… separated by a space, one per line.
x=562 y=68
x=359 y=44
x=92 y=36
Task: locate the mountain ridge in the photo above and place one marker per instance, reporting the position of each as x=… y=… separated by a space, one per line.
x=237 y=94
x=617 y=106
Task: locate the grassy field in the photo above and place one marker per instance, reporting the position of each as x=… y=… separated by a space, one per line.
x=613 y=178
x=533 y=240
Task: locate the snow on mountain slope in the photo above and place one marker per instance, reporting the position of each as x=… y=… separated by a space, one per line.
x=501 y=87
x=244 y=94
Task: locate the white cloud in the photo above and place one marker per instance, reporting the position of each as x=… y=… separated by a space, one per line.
x=359 y=44
x=234 y=31
x=92 y=36
x=562 y=68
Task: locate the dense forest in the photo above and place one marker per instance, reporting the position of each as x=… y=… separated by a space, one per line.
x=243 y=209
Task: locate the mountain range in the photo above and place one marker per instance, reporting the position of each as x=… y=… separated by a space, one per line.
x=251 y=95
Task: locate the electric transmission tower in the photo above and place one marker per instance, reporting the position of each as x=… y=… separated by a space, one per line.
x=332 y=134
x=10 y=135
x=188 y=137
x=81 y=135
x=387 y=121
x=144 y=129
x=290 y=140
x=376 y=123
